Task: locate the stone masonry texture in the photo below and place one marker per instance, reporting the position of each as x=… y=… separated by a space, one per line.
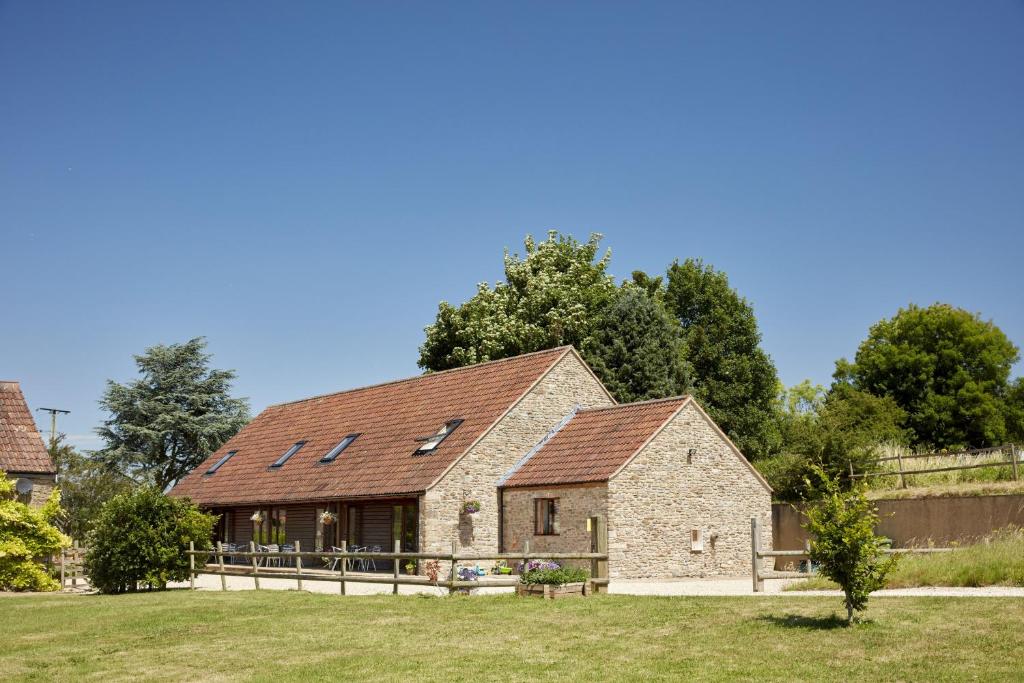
x=475 y=476
x=659 y=498
x=575 y=505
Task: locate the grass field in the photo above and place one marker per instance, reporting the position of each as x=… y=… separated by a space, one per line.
x=279 y=636
x=999 y=562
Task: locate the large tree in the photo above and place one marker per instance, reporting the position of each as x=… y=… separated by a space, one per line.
x=550 y=297
x=86 y=483
x=947 y=368
x=637 y=348
x=173 y=417
x=732 y=376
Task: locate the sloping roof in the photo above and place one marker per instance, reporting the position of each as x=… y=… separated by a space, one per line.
x=595 y=443
x=389 y=418
x=21 y=446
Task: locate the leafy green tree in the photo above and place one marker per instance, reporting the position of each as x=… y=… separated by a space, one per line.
x=140 y=539
x=732 y=376
x=27 y=536
x=550 y=297
x=173 y=417
x=843 y=541
x=86 y=483
x=637 y=348
x=831 y=431
x=946 y=367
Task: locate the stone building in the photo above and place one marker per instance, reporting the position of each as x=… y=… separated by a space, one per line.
x=536 y=442
x=23 y=456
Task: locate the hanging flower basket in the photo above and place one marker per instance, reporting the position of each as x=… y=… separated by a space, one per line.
x=257 y=517
x=328 y=518
x=471 y=507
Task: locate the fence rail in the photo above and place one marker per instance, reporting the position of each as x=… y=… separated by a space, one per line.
x=757 y=554
x=1010 y=451
x=211 y=562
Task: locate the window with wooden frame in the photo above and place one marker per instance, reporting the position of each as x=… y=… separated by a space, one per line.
x=545 y=516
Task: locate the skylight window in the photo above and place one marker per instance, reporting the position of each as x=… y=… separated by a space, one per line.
x=217 y=465
x=430 y=443
x=289 y=453
x=336 y=451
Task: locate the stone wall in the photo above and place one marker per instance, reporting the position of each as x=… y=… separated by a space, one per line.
x=659 y=499
x=475 y=476
x=42 y=486
x=575 y=505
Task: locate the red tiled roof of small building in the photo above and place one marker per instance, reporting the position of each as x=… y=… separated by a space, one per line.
x=595 y=443
x=389 y=418
x=21 y=446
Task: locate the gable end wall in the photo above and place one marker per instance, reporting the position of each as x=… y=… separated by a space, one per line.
x=476 y=475
x=658 y=499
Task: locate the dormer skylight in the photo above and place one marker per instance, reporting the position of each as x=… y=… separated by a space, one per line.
x=224 y=458
x=288 y=453
x=430 y=443
x=336 y=451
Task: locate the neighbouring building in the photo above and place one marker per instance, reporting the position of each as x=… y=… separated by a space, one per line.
x=23 y=456
x=536 y=440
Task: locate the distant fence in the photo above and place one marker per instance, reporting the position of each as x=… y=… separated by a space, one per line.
x=257 y=568
x=72 y=567
x=757 y=554
x=999 y=456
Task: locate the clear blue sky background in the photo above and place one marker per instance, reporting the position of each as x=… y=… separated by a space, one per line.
x=303 y=183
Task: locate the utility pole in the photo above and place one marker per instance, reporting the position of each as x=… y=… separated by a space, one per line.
x=53 y=422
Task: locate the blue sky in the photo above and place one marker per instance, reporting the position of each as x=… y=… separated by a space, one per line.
x=302 y=183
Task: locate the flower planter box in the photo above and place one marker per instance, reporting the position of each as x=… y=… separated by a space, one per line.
x=549 y=592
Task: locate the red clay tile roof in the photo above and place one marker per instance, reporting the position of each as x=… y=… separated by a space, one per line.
x=21 y=446
x=595 y=443
x=389 y=417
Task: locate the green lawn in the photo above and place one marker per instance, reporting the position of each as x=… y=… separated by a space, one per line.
x=997 y=562
x=275 y=635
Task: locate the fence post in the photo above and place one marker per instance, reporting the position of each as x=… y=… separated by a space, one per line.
x=220 y=563
x=899 y=460
x=74 y=566
x=1013 y=459
x=398 y=549
x=598 y=544
x=755 y=548
x=344 y=562
x=452 y=576
x=191 y=566
x=63 y=553
x=255 y=565
x=298 y=564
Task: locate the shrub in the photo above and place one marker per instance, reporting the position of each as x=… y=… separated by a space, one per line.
x=786 y=473
x=140 y=538
x=844 y=544
x=26 y=536
x=536 y=572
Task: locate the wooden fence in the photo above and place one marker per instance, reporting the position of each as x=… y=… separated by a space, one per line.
x=757 y=554
x=71 y=566
x=211 y=562
x=1007 y=452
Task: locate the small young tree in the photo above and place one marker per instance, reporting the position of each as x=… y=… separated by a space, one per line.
x=140 y=538
x=844 y=544
x=27 y=535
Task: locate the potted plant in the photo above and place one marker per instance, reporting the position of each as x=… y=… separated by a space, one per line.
x=433 y=570
x=410 y=567
x=471 y=507
x=327 y=517
x=257 y=517
x=550 y=580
